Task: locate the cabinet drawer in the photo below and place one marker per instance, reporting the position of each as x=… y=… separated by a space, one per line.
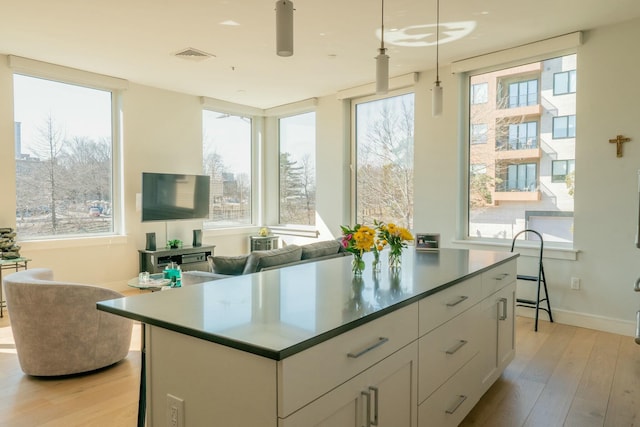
x=395 y=382
x=448 y=406
x=307 y=375
x=443 y=351
x=498 y=277
x=442 y=306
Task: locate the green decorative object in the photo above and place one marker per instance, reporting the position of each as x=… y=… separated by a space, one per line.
x=174 y=244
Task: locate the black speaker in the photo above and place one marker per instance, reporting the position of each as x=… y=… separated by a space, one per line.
x=151 y=241
x=197 y=237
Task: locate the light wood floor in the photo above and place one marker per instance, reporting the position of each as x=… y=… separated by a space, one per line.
x=564 y=376
x=561 y=376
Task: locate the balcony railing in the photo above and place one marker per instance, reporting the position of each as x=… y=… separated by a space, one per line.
x=517 y=144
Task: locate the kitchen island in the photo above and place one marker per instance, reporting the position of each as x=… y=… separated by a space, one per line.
x=311 y=345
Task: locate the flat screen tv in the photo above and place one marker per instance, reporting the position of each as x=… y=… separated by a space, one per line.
x=167 y=197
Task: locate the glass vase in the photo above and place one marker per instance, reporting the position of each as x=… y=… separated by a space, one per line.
x=395 y=258
x=375 y=265
x=357 y=264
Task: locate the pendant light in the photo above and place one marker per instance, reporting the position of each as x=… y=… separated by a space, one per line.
x=382 y=62
x=436 y=92
x=284 y=28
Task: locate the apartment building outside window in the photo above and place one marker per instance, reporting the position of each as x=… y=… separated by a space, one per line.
x=522 y=135
x=479 y=93
x=384 y=130
x=524 y=93
x=564 y=127
x=479 y=133
x=65 y=158
x=529 y=177
x=564 y=82
x=297 y=138
x=227 y=160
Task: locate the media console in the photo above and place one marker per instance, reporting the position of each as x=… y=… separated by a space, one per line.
x=188 y=257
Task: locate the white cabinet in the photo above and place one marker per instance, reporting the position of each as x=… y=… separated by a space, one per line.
x=424 y=364
x=465 y=354
x=497 y=329
x=448 y=406
x=307 y=375
x=383 y=395
x=506 y=326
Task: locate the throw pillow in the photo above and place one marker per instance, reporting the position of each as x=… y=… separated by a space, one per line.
x=232 y=265
x=261 y=259
x=320 y=249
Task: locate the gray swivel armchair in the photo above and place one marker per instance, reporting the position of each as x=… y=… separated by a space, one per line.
x=57 y=328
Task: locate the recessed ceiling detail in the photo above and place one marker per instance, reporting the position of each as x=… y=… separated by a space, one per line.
x=193 y=54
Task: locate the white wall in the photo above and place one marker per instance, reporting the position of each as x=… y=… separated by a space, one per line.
x=163 y=132
x=606 y=199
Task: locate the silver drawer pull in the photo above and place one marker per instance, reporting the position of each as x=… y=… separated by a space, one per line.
x=638 y=327
x=636 y=285
x=502 y=277
x=456 y=347
x=503 y=315
x=367 y=397
x=377 y=344
x=454 y=408
x=375 y=405
x=458 y=301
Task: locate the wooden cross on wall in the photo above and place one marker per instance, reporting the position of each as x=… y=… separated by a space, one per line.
x=618 y=141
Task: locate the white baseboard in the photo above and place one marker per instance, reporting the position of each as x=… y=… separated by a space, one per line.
x=583 y=320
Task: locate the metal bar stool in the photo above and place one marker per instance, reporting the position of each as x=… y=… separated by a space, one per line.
x=539 y=279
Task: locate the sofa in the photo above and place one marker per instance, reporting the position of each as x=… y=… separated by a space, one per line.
x=57 y=328
x=275 y=258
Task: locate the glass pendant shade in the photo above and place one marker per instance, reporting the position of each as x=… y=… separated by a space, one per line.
x=382 y=72
x=436 y=100
x=284 y=28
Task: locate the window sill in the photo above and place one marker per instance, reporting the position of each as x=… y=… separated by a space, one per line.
x=71 y=242
x=525 y=248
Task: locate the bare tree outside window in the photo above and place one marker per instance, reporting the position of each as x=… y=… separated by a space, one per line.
x=297 y=169
x=64 y=162
x=227 y=160
x=384 y=157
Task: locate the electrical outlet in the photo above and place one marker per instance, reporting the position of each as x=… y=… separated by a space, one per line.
x=175 y=411
x=575 y=283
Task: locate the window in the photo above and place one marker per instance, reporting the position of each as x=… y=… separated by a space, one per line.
x=564 y=82
x=523 y=136
x=227 y=161
x=522 y=94
x=479 y=93
x=514 y=176
x=479 y=133
x=521 y=177
x=560 y=169
x=64 y=158
x=564 y=127
x=479 y=168
x=297 y=135
x=384 y=160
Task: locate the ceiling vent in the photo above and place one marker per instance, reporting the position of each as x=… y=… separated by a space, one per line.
x=193 y=54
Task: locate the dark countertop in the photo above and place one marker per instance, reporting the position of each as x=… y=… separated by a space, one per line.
x=281 y=312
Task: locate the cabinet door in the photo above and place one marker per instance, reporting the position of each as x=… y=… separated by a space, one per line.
x=392 y=397
x=488 y=328
x=387 y=389
x=497 y=329
x=506 y=326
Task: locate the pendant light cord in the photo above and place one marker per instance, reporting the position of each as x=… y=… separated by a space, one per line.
x=382 y=27
x=437 y=40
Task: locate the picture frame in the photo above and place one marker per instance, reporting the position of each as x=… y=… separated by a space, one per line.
x=427 y=241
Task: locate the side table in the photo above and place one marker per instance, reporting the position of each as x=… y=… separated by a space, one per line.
x=10 y=264
x=263 y=243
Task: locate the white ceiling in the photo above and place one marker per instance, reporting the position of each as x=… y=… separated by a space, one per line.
x=335 y=41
